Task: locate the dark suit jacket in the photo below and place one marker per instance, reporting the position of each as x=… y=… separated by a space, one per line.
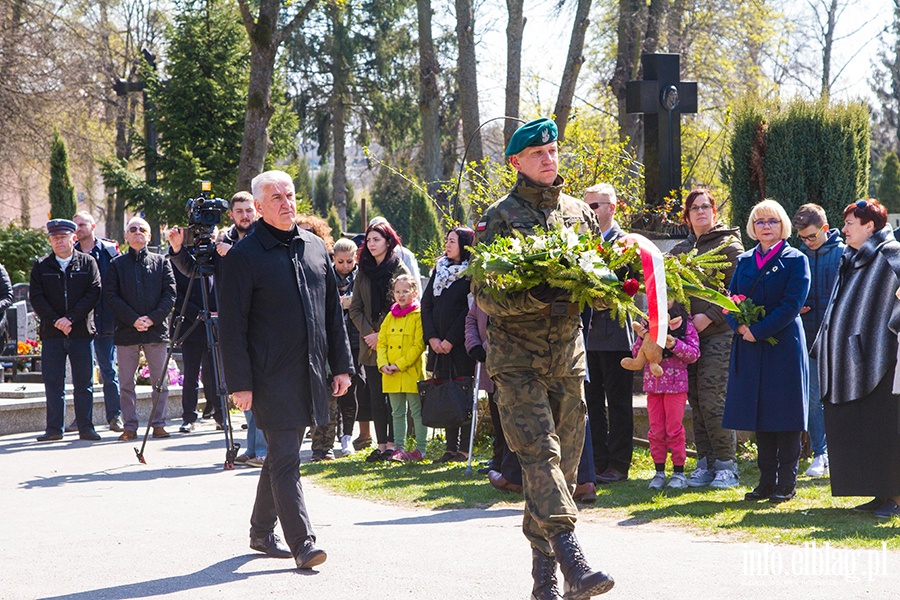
x=605 y=333
x=280 y=318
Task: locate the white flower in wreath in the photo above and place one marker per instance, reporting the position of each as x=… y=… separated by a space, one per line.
x=587 y=261
x=515 y=245
x=570 y=238
x=538 y=242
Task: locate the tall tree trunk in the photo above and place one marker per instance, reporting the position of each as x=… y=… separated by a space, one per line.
x=429 y=103
x=827 y=45
x=339 y=97
x=514 y=28
x=627 y=65
x=674 y=27
x=574 y=60
x=656 y=14
x=265 y=39
x=466 y=73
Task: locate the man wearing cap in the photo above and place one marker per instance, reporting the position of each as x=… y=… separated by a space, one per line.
x=65 y=287
x=537 y=363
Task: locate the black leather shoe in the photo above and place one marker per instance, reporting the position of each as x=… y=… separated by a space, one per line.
x=271 y=545
x=782 y=494
x=310 y=556
x=186 y=427
x=611 y=475
x=89 y=434
x=870 y=506
x=760 y=492
x=49 y=437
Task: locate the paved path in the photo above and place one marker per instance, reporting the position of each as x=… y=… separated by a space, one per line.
x=85 y=521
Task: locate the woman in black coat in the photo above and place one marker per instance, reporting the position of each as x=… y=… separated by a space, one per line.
x=857 y=359
x=445 y=304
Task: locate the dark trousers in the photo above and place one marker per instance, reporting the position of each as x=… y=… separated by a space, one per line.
x=381 y=408
x=511 y=470
x=279 y=493
x=609 y=392
x=778 y=457
x=347 y=405
x=458 y=438
x=80 y=352
x=195 y=354
x=499 y=444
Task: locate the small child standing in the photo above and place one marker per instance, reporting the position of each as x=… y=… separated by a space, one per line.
x=401 y=348
x=667 y=396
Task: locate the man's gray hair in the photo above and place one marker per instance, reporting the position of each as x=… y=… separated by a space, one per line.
x=602 y=188
x=85 y=215
x=137 y=220
x=268 y=178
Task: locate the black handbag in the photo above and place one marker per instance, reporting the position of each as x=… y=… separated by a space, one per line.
x=446 y=402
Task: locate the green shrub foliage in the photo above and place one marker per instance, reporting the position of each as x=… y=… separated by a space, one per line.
x=889 y=186
x=804 y=152
x=19 y=248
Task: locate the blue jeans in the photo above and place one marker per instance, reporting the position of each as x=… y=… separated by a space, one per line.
x=256 y=441
x=80 y=352
x=105 y=351
x=815 y=423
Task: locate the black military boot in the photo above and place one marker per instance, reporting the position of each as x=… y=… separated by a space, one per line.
x=581 y=582
x=543 y=570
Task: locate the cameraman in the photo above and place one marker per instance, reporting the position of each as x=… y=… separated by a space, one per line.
x=243 y=213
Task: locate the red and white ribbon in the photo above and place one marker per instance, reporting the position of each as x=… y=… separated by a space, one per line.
x=654 y=284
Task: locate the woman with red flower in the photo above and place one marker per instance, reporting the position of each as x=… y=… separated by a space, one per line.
x=708 y=377
x=767 y=382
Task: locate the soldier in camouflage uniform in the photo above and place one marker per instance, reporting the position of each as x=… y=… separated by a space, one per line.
x=537 y=362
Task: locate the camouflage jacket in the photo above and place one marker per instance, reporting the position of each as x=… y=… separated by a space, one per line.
x=520 y=336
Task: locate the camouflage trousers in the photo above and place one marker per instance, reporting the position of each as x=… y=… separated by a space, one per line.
x=544 y=421
x=707 y=383
x=323 y=435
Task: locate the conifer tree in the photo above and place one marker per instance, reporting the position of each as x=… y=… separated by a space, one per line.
x=62 y=192
x=889 y=186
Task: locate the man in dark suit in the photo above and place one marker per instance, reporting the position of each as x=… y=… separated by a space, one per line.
x=280 y=317
x=610 y=389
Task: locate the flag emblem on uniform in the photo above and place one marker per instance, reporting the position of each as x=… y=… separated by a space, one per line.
x=482 y=225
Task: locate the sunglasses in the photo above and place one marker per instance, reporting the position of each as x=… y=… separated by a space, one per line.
x=137 y=229
x=596 y=205
x=810 y=238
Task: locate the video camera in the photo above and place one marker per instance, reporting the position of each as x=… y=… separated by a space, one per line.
x=204 y=213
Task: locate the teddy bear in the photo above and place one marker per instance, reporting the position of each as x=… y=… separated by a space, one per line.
x=650 y=351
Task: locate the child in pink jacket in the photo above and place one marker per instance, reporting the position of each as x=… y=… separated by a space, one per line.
x=667 y=396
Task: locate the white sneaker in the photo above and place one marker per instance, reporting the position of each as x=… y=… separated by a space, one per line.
x=658 y=481
x=678 y=481
x=819 y=466
x=347 y=445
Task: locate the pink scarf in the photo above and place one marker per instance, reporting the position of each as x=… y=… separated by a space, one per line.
x=398 y=312
x=762 y=259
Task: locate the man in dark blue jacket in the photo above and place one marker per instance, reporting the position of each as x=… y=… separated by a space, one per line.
x=103 y=252
x=823 y=248
x=65 y=287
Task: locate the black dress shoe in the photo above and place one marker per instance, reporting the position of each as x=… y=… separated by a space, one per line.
x=49 y=437
x=760 y=492
x=888 y=509
x=782 y=494
x=89 y=434
x=870 y=506
x=186 y=427
x=271 y=545
x=310 y=556
x=611 y=475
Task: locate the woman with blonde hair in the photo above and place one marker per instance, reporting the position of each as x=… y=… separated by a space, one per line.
x=768 y=374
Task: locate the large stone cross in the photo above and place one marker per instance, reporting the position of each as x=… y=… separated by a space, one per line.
x=663 y=98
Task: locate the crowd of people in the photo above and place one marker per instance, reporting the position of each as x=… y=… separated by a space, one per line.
x=331 y=336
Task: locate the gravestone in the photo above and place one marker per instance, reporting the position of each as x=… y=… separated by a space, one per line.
x=662 y=97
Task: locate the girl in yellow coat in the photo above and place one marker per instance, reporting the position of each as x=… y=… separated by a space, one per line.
x=400 y=359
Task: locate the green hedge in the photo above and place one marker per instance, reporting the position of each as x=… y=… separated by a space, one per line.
x=804 y=152
x=20 y=247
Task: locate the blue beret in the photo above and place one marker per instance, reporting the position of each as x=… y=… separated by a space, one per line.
x=56 y=226
x=534 y=133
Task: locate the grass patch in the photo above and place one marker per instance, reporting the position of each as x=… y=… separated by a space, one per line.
x=813 y=516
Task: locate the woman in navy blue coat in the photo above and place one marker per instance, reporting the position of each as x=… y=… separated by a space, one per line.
x=767 y=384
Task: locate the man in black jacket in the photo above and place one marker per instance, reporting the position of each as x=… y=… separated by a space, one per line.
x=139 y=288
x=280 y=318
x=65 y=287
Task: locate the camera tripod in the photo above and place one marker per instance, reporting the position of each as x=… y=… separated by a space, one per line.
x=202 y=270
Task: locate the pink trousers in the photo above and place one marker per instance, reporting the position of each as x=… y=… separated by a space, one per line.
x=666 y=412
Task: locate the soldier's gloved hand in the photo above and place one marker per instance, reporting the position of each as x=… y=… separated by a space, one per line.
x=478 y=353
x=547 y=293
